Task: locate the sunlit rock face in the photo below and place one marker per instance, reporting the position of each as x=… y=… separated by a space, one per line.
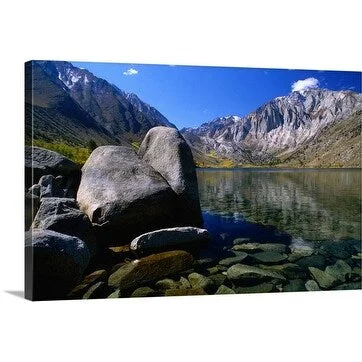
x=277 y=128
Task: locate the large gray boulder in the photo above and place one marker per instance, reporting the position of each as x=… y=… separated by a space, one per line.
x=54 y=264
x=39 y=162
x=168 y=153
x=170 y=238
x=123 y=196
x=63 y=215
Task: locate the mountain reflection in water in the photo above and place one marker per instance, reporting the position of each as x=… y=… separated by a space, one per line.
x=311 y=204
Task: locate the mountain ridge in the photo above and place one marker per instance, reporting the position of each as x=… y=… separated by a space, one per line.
x=69 y=104
x=274 y=130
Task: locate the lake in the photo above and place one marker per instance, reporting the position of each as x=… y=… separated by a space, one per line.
x=318 y=204
x=307 y=208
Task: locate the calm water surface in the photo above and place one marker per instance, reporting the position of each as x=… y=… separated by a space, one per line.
x=281 y=205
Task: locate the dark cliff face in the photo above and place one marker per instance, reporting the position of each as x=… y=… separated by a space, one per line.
x=71 y=104
x=277 y=128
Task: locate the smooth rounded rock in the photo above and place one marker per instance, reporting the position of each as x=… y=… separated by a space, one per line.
x=312 y=286
x=340 y=270
x=170 y=237
x=168 y=153
x=167 y=284
x=198 y=281
x=246 y=273
x=40 y=161
x=324 y=280
x=218 y=279
x=269 y=257
x=123 y=195
x=227 y=262
x=289 y=270
x=316 y=261
x=238 y=241
x=259 y=288
x=57 y=262
x=150 y=268
x=223 y=289
x=184 y=283
x=62 y=215
x=349 y=286
x=295 y=285
x=259 y=247
x=143 y=292
x=184 y=292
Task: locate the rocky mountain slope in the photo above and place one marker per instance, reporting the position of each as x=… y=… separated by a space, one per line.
x=300 y=125
x=69 y=104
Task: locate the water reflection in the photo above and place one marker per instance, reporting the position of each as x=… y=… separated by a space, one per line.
x=310 y=204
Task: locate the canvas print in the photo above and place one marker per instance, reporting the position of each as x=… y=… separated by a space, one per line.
x=164 y=180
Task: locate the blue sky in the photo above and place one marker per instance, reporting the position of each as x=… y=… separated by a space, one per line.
x=191 y=95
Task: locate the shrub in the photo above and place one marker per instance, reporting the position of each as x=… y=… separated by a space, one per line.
x=77 y=154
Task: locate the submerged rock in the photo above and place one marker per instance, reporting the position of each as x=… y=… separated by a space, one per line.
x=340 y=270
x=218 y=279
x=349 y=286
x=238 y=241
x=87 y=282
x=299 y=249
x=199 y=281
x=97 y=291
x=259 y=247
x=115 y=294
x=57 y=262
x=171 y=237
x=259 y=288
x=233 y=260
x=324 y=280
x=312 y=286
x=167 y=284
x=295 y=285
x=337 y=250
x=317 y=261
x=168 y=153
x=251 y=274
x=143 y=292
x=223 y=289
x=150 y=268
x=269 y=257
x=184 y=283
x=289 y=270
x=204 y=262
x=184 y=292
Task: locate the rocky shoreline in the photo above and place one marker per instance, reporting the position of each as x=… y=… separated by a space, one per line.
x=130 y=225
x=247 y=267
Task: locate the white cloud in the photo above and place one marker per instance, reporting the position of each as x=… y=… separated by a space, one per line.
x=304 y=84
x=130 y=71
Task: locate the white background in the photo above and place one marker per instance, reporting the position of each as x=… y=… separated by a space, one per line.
x=284 y=34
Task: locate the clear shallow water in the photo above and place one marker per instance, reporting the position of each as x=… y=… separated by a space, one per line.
x=273 y=205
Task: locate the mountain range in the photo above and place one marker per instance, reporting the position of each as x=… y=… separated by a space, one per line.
x=68 y=104
x=313 y=127
x=309 y=128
